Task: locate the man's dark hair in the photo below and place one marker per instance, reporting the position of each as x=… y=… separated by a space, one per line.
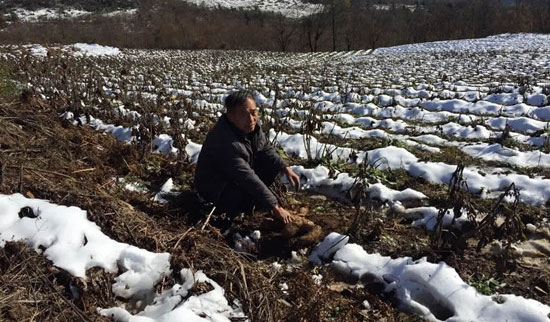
x=237 y=98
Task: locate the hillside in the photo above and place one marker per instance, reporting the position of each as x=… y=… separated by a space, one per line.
x=288 y=26
x=88 y=5
x=426 y=165
x=289 y=8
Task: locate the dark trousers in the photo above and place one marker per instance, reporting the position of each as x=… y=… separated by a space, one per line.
x=235 y=200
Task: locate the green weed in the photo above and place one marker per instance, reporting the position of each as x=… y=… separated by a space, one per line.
x=8 y=88
x=485 y=286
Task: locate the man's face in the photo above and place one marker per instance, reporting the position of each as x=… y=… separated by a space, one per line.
x=244 y=117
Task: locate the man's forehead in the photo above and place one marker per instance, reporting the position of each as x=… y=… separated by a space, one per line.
x=250 y=104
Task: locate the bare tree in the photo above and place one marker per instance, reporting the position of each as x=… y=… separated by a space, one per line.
x=373 y=30
x=337 y=9
x=314 y=27
x=284 y=30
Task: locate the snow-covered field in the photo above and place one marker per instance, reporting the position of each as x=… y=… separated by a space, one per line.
x=421 y=109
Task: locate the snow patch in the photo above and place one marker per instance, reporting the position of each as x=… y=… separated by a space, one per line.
x=75 y=244
x=433 y=291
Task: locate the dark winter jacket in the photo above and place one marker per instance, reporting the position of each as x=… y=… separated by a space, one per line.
x=228 y=156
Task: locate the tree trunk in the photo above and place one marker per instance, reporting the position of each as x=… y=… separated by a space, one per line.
x=333 y=16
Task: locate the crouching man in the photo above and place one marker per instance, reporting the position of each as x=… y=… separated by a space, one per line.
x=237 y=164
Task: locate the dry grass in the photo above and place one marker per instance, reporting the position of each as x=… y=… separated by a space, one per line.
x=31 y=289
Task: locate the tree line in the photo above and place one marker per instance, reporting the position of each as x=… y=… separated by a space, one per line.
x=337 y=25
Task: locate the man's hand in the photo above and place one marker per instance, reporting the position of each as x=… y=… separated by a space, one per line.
x=281 y=214
x=292 y=177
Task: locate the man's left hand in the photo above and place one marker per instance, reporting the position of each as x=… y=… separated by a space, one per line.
x=292 y=177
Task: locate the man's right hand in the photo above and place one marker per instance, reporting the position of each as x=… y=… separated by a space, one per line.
x=281 y=214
